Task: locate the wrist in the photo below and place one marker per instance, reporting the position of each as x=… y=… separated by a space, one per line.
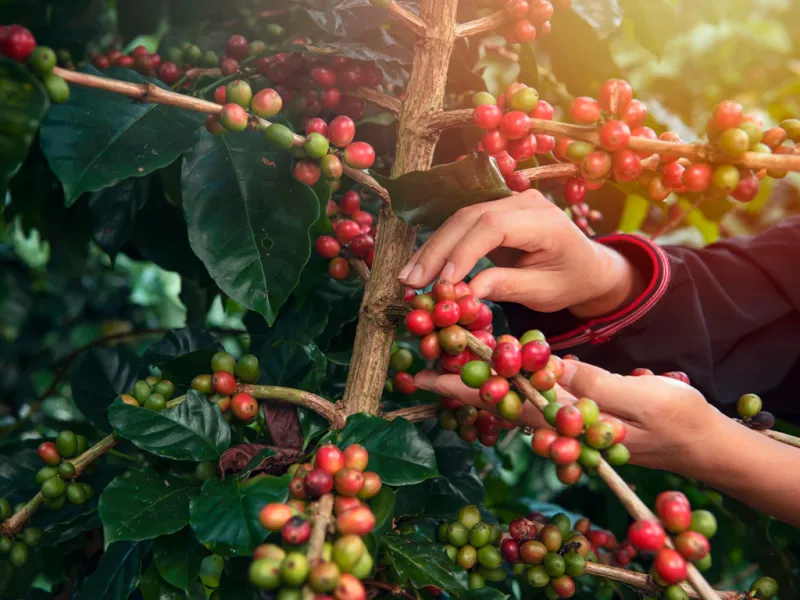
x=618 y=283
x=707 y=452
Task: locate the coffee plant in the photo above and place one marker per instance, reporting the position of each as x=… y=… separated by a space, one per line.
x=277 y=163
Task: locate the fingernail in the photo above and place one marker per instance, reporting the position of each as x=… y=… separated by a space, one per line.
x=416 y=276
x=426 y=379
x=404 y=272
x=448 y=272
x=570 y=367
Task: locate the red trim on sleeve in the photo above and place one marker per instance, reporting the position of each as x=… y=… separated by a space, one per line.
x=600 y=330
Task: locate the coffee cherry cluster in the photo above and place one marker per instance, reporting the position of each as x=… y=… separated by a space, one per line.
x=57 y=479
x=473 y=545
x=549 y=552
x=354 y=235
x=150 y=64
x=749 y=409
x=18 y=43
x=345 y=558
x=692 y=532
x=529 y=20
x=222 y=385
x=17 y=547
x=151 y=393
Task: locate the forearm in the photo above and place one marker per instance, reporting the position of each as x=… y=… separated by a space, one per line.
x=750 y=467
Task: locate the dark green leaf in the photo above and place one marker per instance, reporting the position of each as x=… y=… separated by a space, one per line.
x=347 y=18
x=486 y=593
x=459 y=483
x=153 y=587
x=288 y=362
x=98 y=138
x=181 y=341
x=177 y=558
x=23 y=103
x=398 y=451
x=117 y=572
x=100 y=375
x=382 y=506
x=142 y=505
x=249 y=219
x=230 y=585
x=71 y=530
x=528 y=67
x=654 y=23
x=114 y=212
x=430 y=197
x=193 y=430
x=182 y=369
x=424 y=563
x=18 y=473
x=224 y=516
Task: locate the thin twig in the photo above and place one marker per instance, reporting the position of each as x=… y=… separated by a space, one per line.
x=394 y=590
x=784 y=438
x=321 y=521
x=408 y=18
x=15 y=522
x=365 y=179
x=360 y=267
x=319 y=405
x=487 y=23
x=642 y=580
x=420 y=412
x=377 y=98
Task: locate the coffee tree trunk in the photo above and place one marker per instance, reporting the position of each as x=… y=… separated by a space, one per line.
x=416 y=142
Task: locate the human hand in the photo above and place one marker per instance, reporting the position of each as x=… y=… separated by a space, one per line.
x=542 y=259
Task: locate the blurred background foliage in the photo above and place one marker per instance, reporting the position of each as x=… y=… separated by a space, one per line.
x=60 y=291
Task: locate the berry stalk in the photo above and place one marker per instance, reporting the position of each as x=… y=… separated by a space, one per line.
x=319 y=405
x=643 y=581
x=321 y=522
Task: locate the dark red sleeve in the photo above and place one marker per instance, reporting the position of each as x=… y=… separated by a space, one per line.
x=728 y=315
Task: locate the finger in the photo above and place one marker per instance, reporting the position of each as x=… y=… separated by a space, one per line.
x=508 y=285
x=430 y=260
x=613 y=393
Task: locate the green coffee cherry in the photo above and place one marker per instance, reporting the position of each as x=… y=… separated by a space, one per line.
x=82 y=444
x=704 y=522
x=66 y=443
x=476 y=581
x=316 y=145
x=5 y=545
x=550 y=411
x=765 y=588
x=57 y=89
x=202 y=384
x=467 y=557
x=141 y=391
x=247 y=369
x=66 y=470
x=31 y=536
x=42 y=475
x=206 y=469
x=554 y=564
x=441 y=532
x=75 y=493
x=176 y=55
x=166 y=388
x=286 y=593
x=590 y=457
x=401 y=360
x=480 y=535
x=538 y=577
x=42 y=60
x=675 y=592
x=574 y=563
x=618 y=455
x=18 y=555
x=192 y=54
x=279 y=136
x=53 y=488
x=209 y=60
x=749 y=406
x=563 y=523
x=265 y=573
x=55 y=503
x=363 y=568
x=457 y=534
x=704 y=564
x=490 y=557
x=155 y=402
x=294 y=568
x=452 y=552
x=495 y=575
x=525 y=100
x=222 y=361
x=88 y=490
x=5 y=505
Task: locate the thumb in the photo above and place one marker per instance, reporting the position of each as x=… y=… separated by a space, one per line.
x=505 y=285
x=613 y=393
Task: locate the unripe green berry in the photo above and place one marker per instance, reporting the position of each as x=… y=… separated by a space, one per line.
x=275 y=30
x=457 y=534
x=467 y=557
x=42 y=475
x=704 y=564
x=480 y=535
x=141 y=391
x=18 y=555
x=726 y=177
x=483 y=98
x=316 y=145
x=205 y=470
x=56 y=87
x=233 y=117
x=554 y=564
x=754 y=132
x=31 y=536
x=192 y=54
x=749 y=406
x=495 y=575
x=577 y=151
x=589 y=411
x=209 y=60
x=510 y=407
x=363 y=568
x=489 y=557
x=294 y=568
x=401 y=360
x=575 y=564
x=675 y=592
x=88 y=490
x=469 y=516
x=525 y=100
x=550 y=411
x=538 y=577
x=176 y=55
x=618 y=455
x=66 y=443
x=55 y=503
x=476 y=581
x=75 y=493
x=166 y=388
x=256 y=47
x=441 y=532
x=53 y=488
x=265 y=573
x=704 y=522
x=563 y=523
x=66 y=470
x=155 y=402
x=765 y=588
x=247 y=369
x=42 y=60
x=239 y=92
x=5 y=506
x=734 y=142
x=222 y=361
x=202 y=384
x=550 y=395
x=82 y=444
x=5 y=545
x=792 y=129
x=279 y=136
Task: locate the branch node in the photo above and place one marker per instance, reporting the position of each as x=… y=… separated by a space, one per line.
x=486 y=23
x=408 y=19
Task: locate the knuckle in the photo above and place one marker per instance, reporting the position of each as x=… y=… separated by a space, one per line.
x=489 y=220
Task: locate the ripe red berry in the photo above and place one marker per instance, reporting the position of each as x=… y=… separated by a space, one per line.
x=672 y=175
x=535 y=356
x=346 y=231
x=614 y=135
x=341 y=504
x=419 y=322
x=515 y=124
x=494 y=142
x=318 y=482
x=296 y=530
x=316 y=125
x=635 y=114
x=677 y=376
x=543 y=110
x=484 y=319
x=510 y=550
x=274 y=516
x=323 y=76
x=350 y=203
x=569 y=421
x=617 y=426
x=494 y=389
x=507 y=360
x=372 y=485
x=647 y=536
x=169 y=72
x=17 y=43
x=49 y=454
x=361 y=245
x=575 y=190
x=542 y=440
x=446 y=313
x=404 y=383
x=429 y=346
x=349 y=588
x=596 y=165
x=600 y=538
x=233 y=117
x=615 y=95
x=443 y=290
x=244 y=406
x=626 y=165
x=363 y=218
x=692 y=545
x=670 y=496
x=329 y=458
x=544 y=380
x=237 y=47
x=339 y=268
x=356 y=457
x=359 y=155
x=517 y=182
x=505 y=163
x=221 y=94
x=584 y=110
x=357 y=521
x=349 y=481
x=565 y=450
x=100 y=61
x=487 y=116
x=469 y=308
x=330 y=98
x=747 y=189
x=452 y=363
x=569 y=474
x=341 y=131
x=523 y=149
x=647 y=133
x=670 y=566
x=327 y=246
x=675 y=514
x=307 y=171
x=727 y=114
x=223 y=383
x=486 y=423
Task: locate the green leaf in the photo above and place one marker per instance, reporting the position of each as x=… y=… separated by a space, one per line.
x=528 y=67
x=289 y=362
x=382 y=506
x=398 y=451
x=459 y=483
x=425 y=563
x=114 y=212
x=654 y=23
x=153 y=587
x=142 y=505
x=430 y=197
x=178 y=342
x=23 y=103
x=193 y=430
x=230 y=585
x=485 y=593
x=224 y=516
x=98 y=139
x=248 y=218
x=117 y=572
x=18 y=473
x=100 y=375
x=634 y=213
x=177 y=558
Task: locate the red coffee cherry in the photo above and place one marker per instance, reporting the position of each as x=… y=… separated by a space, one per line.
x=307 y=171
x=341 y=131
x=670 y=566
x=169 y=72
x=347 y=231
x=584 y=110
x=522 y=529
x=487 y=116
x=614 y=135
x=543 y=110
x=339 y=268
x=615 y=95
x=296 y=530
x=244 y=407
x=641 y=372
x=509 y=549
x=507 y=359
x=274 y=516
x=542 y=440
x=452 y=363
x=404 y=383
x=565 y=450
x=544 y=380
x=505 y=163
x=727 y=115
x=372 y=485
x=17 y=42
x=419 y=322
x=747 y=189
x=670 y=496
x=535 y=356
x=626 y=165
x=349 y=588
x=223 y=383
x=350 y=203
x=635 y=114
x=233 y=117
x=600 y=538
x=318 y=482
x=361 y=245
x=358 y=521
x=692 y=545
x=327 y=246
x=349 y=481
x=316 y=125
x=675 y=514
x=494 y=142
x=101 y=62
x=323 y=76
x=359 y=155
x=647 y=536
x=443 y=290
x=356 y=457
x=596 y=165
x=647 y=133
x=329 y=458
x=575 y=191
x=618 y=427
x=672 y=175
x=494 y=389
x=429 y=346
x=341 y=504
x=446 y=313
x=569 y=474
x=678 y=376
x=469 y=307
x=49 y=454
x=569 y=421
x=221 y=94
x=517 y=182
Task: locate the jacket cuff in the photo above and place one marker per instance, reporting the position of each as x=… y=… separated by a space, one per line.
x=652 y=262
